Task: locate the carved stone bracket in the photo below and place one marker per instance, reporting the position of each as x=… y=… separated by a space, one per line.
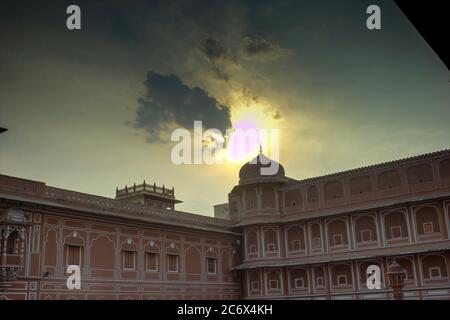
x=9 y=273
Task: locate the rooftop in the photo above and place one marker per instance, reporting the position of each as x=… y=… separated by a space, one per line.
x=145 y=188
x=374 y=166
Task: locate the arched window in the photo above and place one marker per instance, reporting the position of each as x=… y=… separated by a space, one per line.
x=316 y=238
x=337 y=233
x=444 y=169
x=299 y=279
x=250 y=199
x=273 y=281
x=313 y=195
x=254 y=282
x=427 y=220
x=342 y=275
x=419 y=173
x=333 y=190
x=365 y=229
x=12 y=245
x=296 y=236
x=252 y=242
x=395 y=225
x=388 y=180
x=270 y=240
x=360 y=185
x=434 y=267
x=293 y=198
x=407 y=264
x=268 y=197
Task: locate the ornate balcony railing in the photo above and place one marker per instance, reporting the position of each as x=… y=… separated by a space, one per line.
x=144 y=187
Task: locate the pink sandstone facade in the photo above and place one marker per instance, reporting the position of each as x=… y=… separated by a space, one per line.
x=285 y=239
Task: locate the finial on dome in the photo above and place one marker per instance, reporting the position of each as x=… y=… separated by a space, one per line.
x=260 y=148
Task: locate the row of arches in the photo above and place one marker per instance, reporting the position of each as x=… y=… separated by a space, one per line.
x=360 y=185
x=364 y=229
x=263 y=197
x=432 y=269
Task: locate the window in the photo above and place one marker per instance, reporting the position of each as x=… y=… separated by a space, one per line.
x=299 y=282
x=255 y=285
x=319 y=282
x=316 y=243
x=366 y=235
x=129 y=260
x=271 y=247
x=12 y=243
x=211 y=265
x=428 y=227
x=338 y=239
x=342 y=280
x=435 y=272
x=273 y=284
x=73 y=255
x=252 y=248
x=296 y=245
x=152 y=261
x=172 y=263
x=396 y=232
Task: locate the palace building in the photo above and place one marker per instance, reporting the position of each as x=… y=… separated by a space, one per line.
x=277 y=238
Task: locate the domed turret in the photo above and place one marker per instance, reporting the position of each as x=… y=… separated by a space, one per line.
x=261 y=169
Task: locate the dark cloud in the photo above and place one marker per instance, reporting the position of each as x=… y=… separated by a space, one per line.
x=222 y=57
x=169 y=103
x=213 y=49
x=219 y=57
x=261 y=49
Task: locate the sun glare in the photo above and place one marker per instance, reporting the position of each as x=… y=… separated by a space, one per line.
x=254 y=117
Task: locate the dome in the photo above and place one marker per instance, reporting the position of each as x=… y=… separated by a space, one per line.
x=261 y=168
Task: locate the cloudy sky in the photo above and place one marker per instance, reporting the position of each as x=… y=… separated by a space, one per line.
x=93 y=109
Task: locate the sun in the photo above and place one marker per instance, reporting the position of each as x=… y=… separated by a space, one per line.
x=257 y=117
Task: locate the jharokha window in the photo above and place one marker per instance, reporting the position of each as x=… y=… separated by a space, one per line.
x=73 y=255
x=12 y=243
x=172 y=263
x=211 y=264
x=129 y=259
x=152 y=261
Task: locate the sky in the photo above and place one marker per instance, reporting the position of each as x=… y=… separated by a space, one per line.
x=92 y=109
